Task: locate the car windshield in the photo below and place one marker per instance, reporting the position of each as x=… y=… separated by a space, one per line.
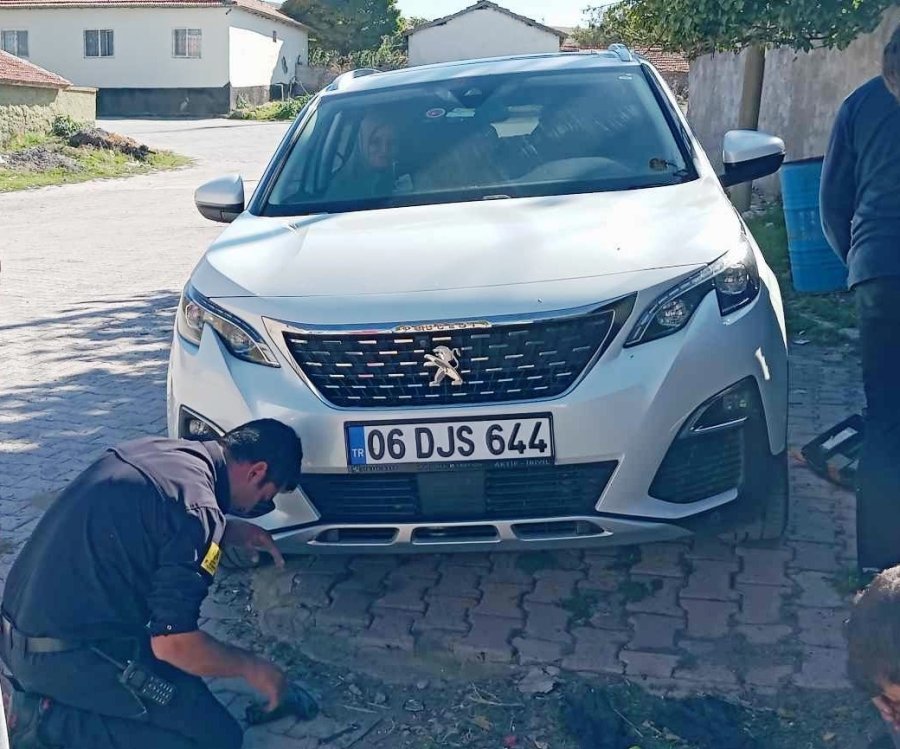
x=490 y=137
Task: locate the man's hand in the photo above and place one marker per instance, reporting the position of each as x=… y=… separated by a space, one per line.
x=889 y=711
x=270 y=681
x=244 y=535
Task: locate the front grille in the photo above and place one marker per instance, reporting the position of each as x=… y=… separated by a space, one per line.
x=531 y=492
x=497 y=363
x=701 y=466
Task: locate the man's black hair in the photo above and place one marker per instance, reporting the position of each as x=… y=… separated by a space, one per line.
x=271 y=442
x=891 y=66
x=873 y=634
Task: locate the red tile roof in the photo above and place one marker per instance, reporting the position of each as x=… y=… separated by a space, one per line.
x=664 y=62
x=14 y=71
x=257 y=7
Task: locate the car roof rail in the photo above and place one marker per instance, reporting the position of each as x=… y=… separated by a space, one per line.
x=622 y=52
x=345 y=78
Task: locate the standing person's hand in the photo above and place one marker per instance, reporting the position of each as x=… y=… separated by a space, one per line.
x=888 y=711
x=252 y=538
x=270 y=681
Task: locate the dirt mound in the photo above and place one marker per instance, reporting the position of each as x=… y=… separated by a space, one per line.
x=39 y=159
x=99 y=138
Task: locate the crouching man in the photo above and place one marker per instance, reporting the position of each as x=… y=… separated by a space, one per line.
x=99 y=615
x=873 y=660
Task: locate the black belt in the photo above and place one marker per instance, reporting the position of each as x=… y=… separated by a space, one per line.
x=41 y=645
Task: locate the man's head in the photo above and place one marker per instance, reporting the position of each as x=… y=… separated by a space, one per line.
x=891 y=66
x=263 y=458
x=873 y=634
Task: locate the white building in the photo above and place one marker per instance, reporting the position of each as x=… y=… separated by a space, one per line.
x=481 y=30
x=160 y=57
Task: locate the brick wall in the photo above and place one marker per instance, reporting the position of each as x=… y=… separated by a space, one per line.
x=32 y=109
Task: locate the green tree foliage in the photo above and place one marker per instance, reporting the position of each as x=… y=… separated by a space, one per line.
x=696 y=27
x=346 y=25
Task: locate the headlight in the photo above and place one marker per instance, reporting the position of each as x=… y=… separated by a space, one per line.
x=196 y=311
x=735 y=279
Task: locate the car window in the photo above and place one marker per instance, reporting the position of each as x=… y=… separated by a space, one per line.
x=469 y=139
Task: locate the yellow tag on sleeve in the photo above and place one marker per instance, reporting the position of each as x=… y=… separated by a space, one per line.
x=210 y=562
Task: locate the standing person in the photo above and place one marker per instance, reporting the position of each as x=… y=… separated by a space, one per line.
x=860 y=203
x=116 y=571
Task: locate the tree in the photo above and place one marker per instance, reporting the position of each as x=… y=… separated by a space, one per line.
x=698 y=27
x=346 y=26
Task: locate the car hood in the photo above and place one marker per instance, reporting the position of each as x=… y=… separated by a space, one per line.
x=470 y=246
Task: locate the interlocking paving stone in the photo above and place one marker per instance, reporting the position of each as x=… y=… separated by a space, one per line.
x=554 y=586
x=661 y=560
x=390 y=630
x=500 y=599
x=546 y=622
x=823 y=668
x=768 y=676
x=760 y=604
x=764 y=567
x=708 y=619
x=817 y=590
x=711 y=580
x=823 y=627
x=403 y=594
x=710 y=548
x=708 y=675
x=532 y=651
x=349 y=608
x=596 y=651
x=311 y=588
x=447 y=613
x=663 y=600
x=457 y=581
x=660 y=665
x=764 y=634
x=815 y=557
x=654 y=632
x=488 y=640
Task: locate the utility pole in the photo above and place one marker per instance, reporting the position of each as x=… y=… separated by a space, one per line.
x=748 y=119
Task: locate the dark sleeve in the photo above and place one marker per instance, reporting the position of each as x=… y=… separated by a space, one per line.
x=183 y=575
x=838 y=196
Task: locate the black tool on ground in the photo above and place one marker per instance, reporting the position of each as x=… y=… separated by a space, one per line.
x=297 y=703
x=142 y=682
x=834 y=455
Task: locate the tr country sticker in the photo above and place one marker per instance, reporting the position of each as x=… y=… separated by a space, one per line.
x=210 y=562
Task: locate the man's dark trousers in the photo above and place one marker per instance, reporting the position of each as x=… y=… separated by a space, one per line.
x=878 y=495
x=92 y=710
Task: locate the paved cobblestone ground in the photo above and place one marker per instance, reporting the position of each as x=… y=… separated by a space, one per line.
x=90 y=277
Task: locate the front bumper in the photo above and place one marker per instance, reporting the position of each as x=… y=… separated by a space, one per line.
x=628 y=411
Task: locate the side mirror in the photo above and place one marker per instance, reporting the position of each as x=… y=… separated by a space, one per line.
x=221 y=199
x=749 y=155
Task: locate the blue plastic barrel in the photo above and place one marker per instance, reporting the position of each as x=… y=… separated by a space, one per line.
x=814 y=266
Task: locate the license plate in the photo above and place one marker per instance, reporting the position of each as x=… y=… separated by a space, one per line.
x=471 y=440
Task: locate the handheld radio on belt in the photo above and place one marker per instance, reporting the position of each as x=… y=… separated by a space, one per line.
x=140 y=681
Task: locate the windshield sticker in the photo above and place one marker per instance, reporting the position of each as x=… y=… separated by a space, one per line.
x=460 y=112
x=436 y=113
x=626 y=77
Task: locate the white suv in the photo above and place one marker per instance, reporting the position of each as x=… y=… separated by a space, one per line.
x=506 y=304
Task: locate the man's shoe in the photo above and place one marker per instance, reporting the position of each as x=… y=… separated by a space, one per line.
x=24 y=711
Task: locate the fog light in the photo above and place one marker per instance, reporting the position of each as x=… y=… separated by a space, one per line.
x=729 y=409
x=194 y=427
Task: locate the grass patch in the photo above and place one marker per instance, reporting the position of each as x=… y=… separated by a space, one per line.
x=850 y=581
x=582 y=605
x=821 y=318
x=93 y=163
x=273 y=111
x=634 y=591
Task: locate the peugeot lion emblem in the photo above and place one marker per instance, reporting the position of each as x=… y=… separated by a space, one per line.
x=446 y=361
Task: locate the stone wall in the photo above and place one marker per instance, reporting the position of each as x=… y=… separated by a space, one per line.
x=32 y=109
x=801 y=95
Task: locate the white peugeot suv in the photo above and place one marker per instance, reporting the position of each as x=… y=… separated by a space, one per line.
x=506 y=304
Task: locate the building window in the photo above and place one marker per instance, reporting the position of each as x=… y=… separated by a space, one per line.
x=186 y=42
x=14 y=42
x=98 y=43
